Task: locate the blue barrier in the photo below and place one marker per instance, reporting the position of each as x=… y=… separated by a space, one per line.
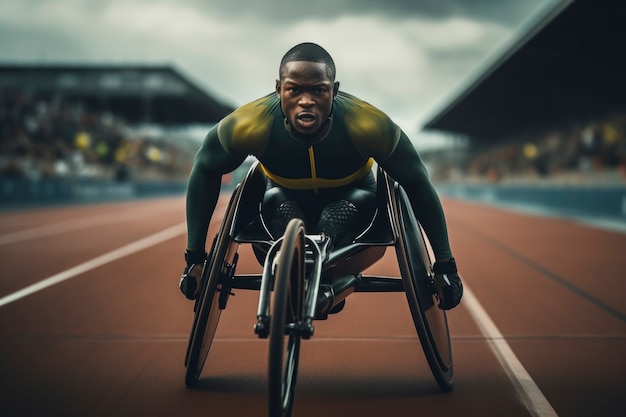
x=21 y=192
x=594 y=201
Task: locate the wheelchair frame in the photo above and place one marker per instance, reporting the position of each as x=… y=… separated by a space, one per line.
x=300 y=265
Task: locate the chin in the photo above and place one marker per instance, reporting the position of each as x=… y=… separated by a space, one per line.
x=305 y=136
x=303 y=133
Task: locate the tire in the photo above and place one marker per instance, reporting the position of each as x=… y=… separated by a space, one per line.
x=287 y=311
x=414 y=258
x=207 y=307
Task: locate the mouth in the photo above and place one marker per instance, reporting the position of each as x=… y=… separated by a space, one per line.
x=306 y=120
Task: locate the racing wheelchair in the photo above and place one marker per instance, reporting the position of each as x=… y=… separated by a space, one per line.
x=300 y=283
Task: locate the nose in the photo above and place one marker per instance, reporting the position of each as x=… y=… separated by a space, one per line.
x=306 y=100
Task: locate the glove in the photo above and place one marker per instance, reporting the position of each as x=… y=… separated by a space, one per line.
x=447 y=284
x=191 y=274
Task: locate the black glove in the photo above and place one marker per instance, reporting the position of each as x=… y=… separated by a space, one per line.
x=447 y=284
x=188 y=283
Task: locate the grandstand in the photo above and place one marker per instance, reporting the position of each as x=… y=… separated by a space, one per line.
x=567 y=65
x=137 y=94
x=76 y=132
x=550 y=106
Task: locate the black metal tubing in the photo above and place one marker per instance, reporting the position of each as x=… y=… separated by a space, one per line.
x=379 y=284
x=265 y=286
x=367 y=283
x=315 y=275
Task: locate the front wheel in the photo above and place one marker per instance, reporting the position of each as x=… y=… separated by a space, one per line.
x=414 y=257
x=287 y=312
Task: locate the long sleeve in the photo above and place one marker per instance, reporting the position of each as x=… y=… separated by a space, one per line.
x=405 y=166
x=203 y=188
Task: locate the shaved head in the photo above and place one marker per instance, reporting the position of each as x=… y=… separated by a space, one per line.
x=309 y=52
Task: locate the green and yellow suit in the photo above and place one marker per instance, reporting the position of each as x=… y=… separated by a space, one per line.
x=359 y=134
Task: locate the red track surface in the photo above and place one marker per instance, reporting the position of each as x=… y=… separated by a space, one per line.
x=110 y=339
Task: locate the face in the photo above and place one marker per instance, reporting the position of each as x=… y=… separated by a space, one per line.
x=306 y=97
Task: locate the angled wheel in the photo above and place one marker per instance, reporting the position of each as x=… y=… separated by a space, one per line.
x=212 y=297
x=415 y=264
x=287 y=310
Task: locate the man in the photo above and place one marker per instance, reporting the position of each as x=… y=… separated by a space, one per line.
x=316 y=146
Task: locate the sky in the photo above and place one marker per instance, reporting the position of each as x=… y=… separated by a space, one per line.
x=405 y=57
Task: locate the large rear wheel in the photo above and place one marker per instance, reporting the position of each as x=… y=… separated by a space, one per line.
x=287 y=310
x=415 y=262
x=212 y=297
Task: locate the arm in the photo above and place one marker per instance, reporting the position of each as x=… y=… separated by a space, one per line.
x=203 y=188
x=405 y=166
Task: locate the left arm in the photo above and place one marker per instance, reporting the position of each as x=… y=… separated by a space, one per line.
x=405 y=166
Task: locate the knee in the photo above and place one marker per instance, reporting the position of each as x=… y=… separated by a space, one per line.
x=365 y=202
x=272 y=199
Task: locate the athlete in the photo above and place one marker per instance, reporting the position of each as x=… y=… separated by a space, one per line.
x=316 y=145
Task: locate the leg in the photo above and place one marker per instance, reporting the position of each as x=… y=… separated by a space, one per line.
x=340 y=213
x=278 y=209
x=348 y=211
x=337 y=219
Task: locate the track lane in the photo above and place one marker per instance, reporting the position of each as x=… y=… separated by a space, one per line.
x=544 y=282
x=112 y=341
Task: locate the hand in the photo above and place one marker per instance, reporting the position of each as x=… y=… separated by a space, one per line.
x=190 y=279
x=447 y=284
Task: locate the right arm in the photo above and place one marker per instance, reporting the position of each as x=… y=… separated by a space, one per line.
x=203 y=188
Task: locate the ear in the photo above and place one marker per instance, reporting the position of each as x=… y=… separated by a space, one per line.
x=335 y=88
x=278 y=87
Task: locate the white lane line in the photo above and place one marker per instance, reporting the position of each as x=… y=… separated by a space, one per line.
x=529 y=393
x=141 y=244
x=70 y=225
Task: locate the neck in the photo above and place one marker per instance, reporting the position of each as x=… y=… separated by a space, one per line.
x=319 y=136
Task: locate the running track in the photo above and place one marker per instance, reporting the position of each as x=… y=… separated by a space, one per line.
x=92 y=324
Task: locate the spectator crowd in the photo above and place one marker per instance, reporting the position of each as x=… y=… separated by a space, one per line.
x=583 y=153
x=53 y=137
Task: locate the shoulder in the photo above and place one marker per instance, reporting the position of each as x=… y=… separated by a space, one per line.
x=368 y=127
x=247 y=129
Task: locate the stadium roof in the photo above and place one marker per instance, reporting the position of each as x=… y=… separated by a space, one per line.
x=138 y=94
x=568 y=65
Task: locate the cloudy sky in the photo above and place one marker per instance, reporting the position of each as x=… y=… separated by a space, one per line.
x=404 y=56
